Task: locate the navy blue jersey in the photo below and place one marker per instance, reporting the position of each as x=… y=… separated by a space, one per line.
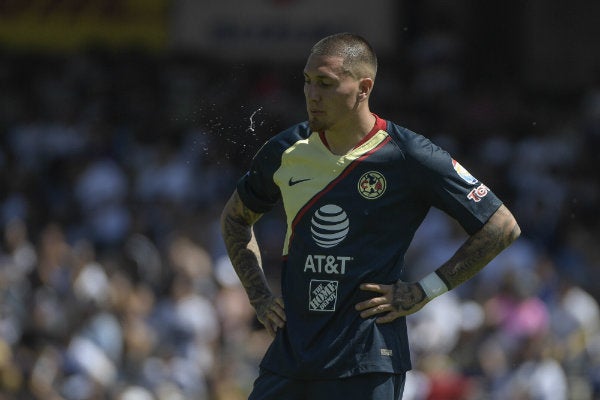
x=350 y=220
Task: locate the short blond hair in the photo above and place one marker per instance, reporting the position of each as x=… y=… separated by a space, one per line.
x=359 y=56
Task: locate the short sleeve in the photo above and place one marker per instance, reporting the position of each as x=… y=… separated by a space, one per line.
x=256 y=188
x=447 y=185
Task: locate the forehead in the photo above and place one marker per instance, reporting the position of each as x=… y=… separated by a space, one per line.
x=324 y=65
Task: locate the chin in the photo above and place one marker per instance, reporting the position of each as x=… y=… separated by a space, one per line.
x=317 y=126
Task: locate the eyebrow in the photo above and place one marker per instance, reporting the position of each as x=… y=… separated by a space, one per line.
x=320 y=76
x=334 y=73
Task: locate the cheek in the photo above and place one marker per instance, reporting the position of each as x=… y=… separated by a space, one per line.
x=348 y=100
x=349 y=95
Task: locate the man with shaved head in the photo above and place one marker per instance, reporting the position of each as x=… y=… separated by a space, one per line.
x=355 y=187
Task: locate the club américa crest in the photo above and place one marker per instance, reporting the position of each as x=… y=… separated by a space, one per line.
x=372 y=185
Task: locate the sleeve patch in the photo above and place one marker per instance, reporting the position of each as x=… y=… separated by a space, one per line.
x=463 y=173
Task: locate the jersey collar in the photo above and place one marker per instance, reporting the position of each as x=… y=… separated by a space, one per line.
x=380 y=124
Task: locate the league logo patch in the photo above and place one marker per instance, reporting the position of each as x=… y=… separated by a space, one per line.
x=322 y=295
x=463 y=173
x=372 y=185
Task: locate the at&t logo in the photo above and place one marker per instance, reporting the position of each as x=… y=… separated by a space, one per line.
x=329 y=226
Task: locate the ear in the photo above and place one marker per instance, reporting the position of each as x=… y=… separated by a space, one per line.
x=365 y=86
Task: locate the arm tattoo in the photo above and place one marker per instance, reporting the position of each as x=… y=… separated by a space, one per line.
x=480 y=248
x=236 y=227
x=406 y=296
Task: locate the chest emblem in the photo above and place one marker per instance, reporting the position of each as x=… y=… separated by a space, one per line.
x=372 y=185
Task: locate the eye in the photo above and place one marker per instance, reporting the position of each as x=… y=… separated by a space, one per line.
x=321 y=82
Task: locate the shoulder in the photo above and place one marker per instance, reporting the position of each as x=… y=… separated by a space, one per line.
x=287 y=137
x=257 y=188
x=415 y=146
x=271 y=151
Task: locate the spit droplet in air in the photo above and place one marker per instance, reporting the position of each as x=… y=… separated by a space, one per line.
x=252 y=122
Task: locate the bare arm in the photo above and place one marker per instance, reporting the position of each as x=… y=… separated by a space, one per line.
x=479 y=249
x=236 y=227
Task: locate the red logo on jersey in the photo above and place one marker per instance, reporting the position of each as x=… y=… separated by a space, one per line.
x=479 y=193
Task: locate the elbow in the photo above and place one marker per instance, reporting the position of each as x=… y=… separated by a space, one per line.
x=222 y=223
x=507 y=226
x=512 y=231
x=515 y=232
x=223 y=218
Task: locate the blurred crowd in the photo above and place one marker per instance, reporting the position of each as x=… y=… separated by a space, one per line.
x=114 y=283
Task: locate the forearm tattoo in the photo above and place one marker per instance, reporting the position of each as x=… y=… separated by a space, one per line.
x=480 y=248
x=236 y=226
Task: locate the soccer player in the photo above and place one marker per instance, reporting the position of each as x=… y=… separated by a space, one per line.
x=355 y=188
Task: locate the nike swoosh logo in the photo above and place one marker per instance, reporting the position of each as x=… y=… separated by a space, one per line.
x=292 y=182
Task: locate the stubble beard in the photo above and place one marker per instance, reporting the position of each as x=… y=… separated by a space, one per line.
x=317 y=125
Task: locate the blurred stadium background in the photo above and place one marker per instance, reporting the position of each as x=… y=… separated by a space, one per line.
x=124 y=125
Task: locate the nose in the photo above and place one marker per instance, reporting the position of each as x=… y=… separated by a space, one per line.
x=311 y=91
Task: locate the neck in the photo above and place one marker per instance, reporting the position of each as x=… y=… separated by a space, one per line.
x=342 y=139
